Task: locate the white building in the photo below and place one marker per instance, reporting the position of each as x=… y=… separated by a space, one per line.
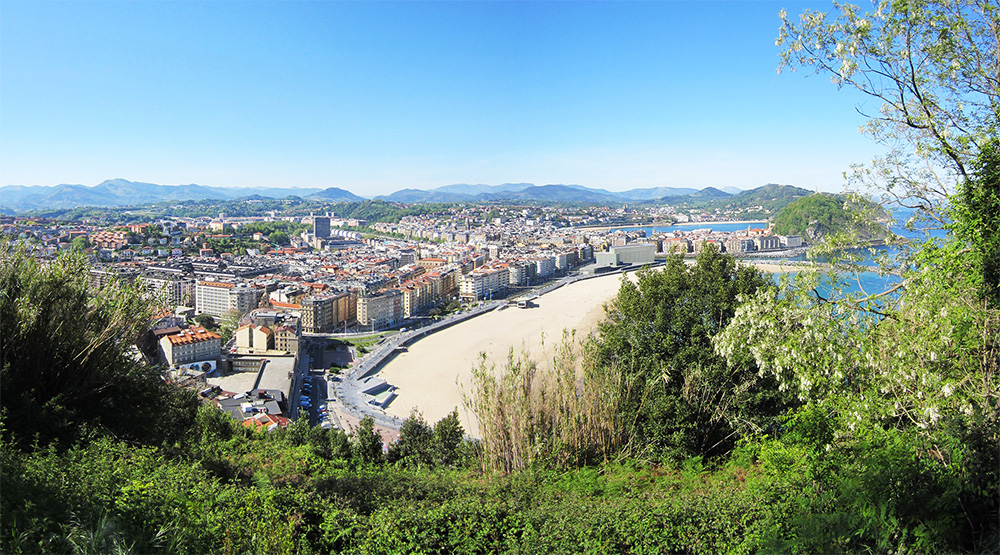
x=194 y=344
x=218 y=298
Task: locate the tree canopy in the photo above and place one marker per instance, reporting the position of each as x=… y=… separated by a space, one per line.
x=934 y=68
x=682 y=399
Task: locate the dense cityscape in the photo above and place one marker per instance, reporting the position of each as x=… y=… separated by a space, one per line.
x=224 y=313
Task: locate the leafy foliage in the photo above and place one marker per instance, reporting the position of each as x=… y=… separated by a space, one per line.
x=976 y=220
x=933 y=67
x=68 y=365
x=680 y=398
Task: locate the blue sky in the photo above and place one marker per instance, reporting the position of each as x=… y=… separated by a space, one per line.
x=379 y=96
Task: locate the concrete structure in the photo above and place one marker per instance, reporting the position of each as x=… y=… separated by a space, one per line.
x=484 y=282
x=254 y=338
x=175 y=290
x=637 y=254
x=767 y=243
x=790 y=241
x=318 y=314
x=544 y=267
x=641 y=253
x=219 y=298
x=286 y=338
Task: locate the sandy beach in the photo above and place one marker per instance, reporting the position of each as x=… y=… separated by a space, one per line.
x=431 y=374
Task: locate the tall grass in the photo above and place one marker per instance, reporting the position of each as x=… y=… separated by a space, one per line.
x=564 y=415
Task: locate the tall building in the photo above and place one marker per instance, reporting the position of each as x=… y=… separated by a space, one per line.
x=317 y=314
x=483 y=282
x=176 y=290
x=321 y=227
x=381 y=310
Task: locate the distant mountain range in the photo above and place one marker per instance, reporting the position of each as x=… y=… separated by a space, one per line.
x=121 y=192
x=464 y=192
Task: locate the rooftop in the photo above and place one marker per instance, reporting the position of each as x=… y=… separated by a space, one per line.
x=192 y=335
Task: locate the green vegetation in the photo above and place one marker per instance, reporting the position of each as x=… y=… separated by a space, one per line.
x=381 y=211
x=821 y=215
x=762 y=202
x=680 y=399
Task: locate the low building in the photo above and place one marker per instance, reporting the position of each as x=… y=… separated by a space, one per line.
x=790 y=241
x=263 y=409
x=254 y=338
x=286 y=338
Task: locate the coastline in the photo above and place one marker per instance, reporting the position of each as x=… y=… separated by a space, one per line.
x=432 y=373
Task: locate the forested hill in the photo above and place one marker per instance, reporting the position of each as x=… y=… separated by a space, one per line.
x=821 y=214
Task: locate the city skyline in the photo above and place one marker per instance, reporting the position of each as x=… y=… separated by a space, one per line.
x=378 y=97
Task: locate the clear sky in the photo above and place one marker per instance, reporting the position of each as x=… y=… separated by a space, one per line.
x=375 y=97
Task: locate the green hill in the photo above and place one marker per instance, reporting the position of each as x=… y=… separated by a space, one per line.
x=821 y=214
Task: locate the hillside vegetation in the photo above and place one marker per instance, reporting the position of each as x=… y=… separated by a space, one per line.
x=713 y=412
x=820 y=215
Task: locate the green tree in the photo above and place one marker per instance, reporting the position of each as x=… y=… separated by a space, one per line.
x=821 y=215
x=901 y=408
x=79 y=244
x=681 y=399
x=229 y=323
x=278 y=238
x=932 y=65
x=976 y=220
x=205 y=320
x=448 y=437
x=414 y=448
x=85 y=376
x=366 y=443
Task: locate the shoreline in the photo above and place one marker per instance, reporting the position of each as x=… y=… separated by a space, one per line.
x=433 y=373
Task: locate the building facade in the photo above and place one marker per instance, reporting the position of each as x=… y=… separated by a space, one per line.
x=384 y=309
x=194 y=344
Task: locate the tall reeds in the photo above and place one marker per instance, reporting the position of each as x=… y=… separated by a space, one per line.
x=564 y=415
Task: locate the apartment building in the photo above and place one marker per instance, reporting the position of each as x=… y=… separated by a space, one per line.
x=544 y=267
x=318 y=314
x=218 y=298
x=381 y=310
x=517 y=273
x=176 y=290
x=484 y=282
x=194 y=344
x=286 y=338
x=254 y=338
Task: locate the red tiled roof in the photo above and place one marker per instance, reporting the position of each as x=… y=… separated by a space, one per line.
x=192 y=335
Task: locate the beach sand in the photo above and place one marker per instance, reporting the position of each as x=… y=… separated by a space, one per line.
x=432 y=373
